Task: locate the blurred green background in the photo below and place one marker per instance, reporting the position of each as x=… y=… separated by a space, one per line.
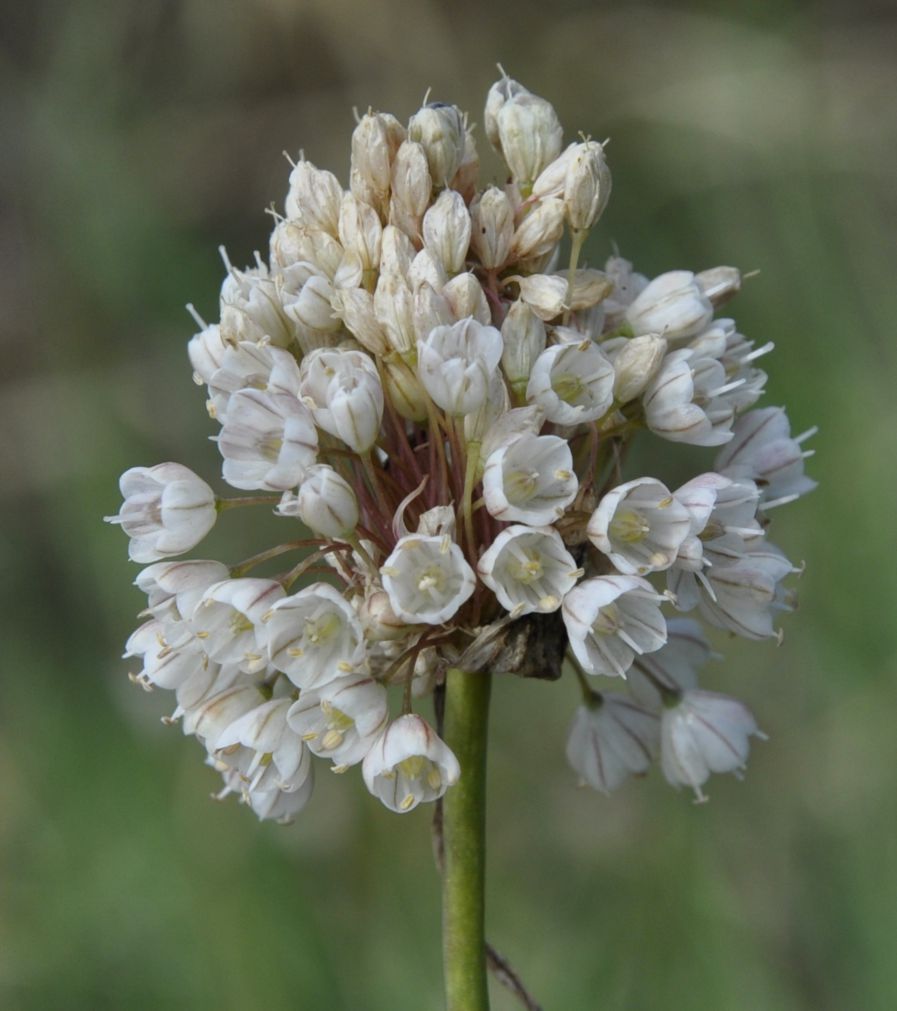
x=139 y=136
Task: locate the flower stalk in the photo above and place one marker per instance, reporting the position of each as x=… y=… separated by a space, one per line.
x=464 y=823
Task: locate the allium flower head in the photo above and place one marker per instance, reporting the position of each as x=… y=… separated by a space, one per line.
x=434 y=391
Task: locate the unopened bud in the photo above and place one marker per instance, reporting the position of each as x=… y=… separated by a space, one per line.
x=589 y=288
x=523 y=336
x=355 y=306
x=540 y=231
x=360 y=230
x=635 y=363
x=314 y=197
x=326 y=503
x=465 y=297
x=411 y=188
x=431 y=309
x=293 y=242
x=313 y=307
x=380 y=621
x=586 y=186
x=375 y=142
x=447 y=231
x=405 y=391
x=492 y=219
x=545 y=294
x=394 y=309
x=672 y=305
x=530 y=136
x=426 y=269
x=350 y=272
x=465 y=179
x=719 y=284
x=396 y=252
x=502 y=91
x=439 y=128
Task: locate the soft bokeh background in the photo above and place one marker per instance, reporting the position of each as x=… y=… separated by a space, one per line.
x=139 y=136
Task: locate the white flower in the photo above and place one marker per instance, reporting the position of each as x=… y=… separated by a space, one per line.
x=529 y=135
x=251 y=366
x=673 y=667
x=572 y=382
x=685 y=402
x=267 y=441
x=529 y=569
x=325 y=502
x=611 y=620
x=341 y=720
x=251 y=309
x=439 y=129
x=635 y=361
x=639 y=526
x=206 y=350
x=455 y=364
x=523 y=337
x=545 y=294
x=343 y=391
x=314 y=636
x=427 y=579
x=492 y=219
x=762 y=450
x=228 y=620
x=314 y=198
x=587 y=185
x=280 y=805
x=611 y=740
x=217 y=712
x=672 y=305
x=173 y=589
x=703 y=733
x=167 y=511
x=530 y=480
x=409 y=764
x=262 y=747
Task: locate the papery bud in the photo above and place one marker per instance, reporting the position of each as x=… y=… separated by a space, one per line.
x=589 y=288
x=530 y=136
x=502 y=91
x=206 y=350
x=375 y=142
x=672 y=305
x=719 y=284
x=439 y=129
x=586 y=186
x=350 y=272
x=314 y=197
x=447 y=231
x=540 y=231
x=492 y=218
x=293 y=243
x=394 y=309
x=411 y=188
x=343 y=391
x=380 y=621
x=518 y=421
x=313 y=306
x=523 y=334
x=396 y=252
x=360 y=230
x=355 y=306
x=455 y=364
x=635 y=363
x=433 y=309
x=464 y=296
x=465 y=179
x=406 y=394
x=326 y=502
x=427 y=269
x=483 y=419
x=545 y=294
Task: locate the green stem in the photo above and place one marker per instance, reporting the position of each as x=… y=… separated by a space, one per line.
x=464 y=825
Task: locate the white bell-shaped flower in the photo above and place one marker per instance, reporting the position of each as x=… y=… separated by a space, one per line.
x=674 y=667
x=314 y=197
x=218 y=711
x=173 y=589
x=314 y=636
x=268 y=440
x=635 y=361
x=427 y=579
x=251 y=309
x=325 y=502
x=409 y=764
x=685 y=402
x=343 y=390
x=529 y=569
x=763 y=450
x=206 y=350
x=703 y=733
x=228 y=620
x=262 y=747
x=530 y=136
x=455 y=364
x=341 y=720
x=572 y=382
x=167 y=510
x=439 y=129
x=612 y=619
x=251 y=366
x=672 y=305
x=530 y=480
x=611 y=740
x=281 y=806
x=640 y=526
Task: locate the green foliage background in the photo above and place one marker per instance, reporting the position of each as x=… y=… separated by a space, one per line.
x=139 y=136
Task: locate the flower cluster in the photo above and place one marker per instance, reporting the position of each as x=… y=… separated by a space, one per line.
x=415 y=378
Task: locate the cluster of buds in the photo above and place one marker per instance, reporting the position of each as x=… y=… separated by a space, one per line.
x=416 y=380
